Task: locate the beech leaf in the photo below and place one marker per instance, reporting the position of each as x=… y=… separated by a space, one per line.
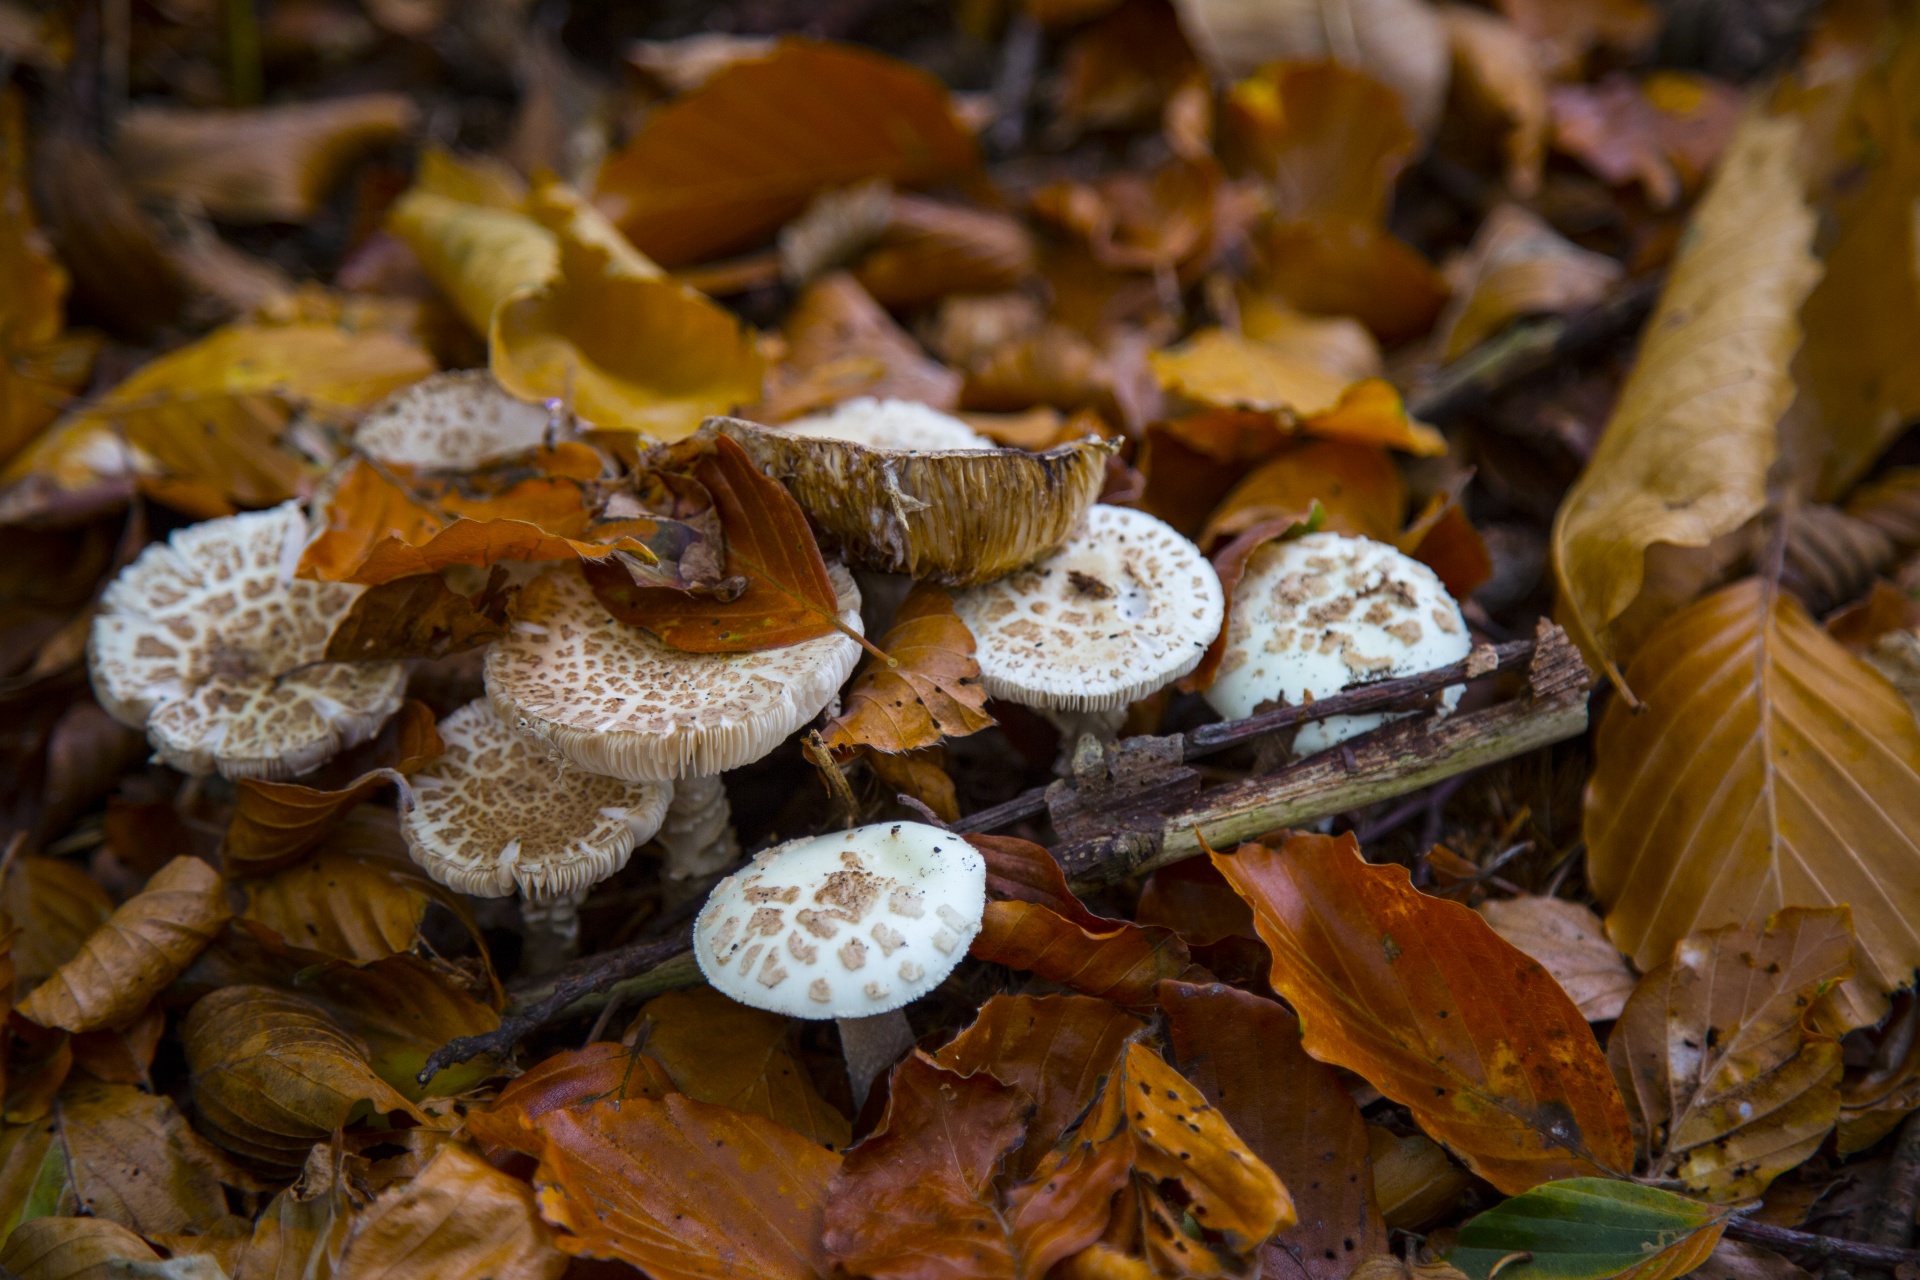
x=930 y=688
x=131 y=1157
x=1571 y=942
x=419 y=617
x=56 y=906
x=457 y=1219
x=1120 y=961
x=571 y=1078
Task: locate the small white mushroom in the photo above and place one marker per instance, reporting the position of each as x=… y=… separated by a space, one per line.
x=1124 y=608
x=494 y=816
x=613 y=700
x=209 y=644
x=890 y=424
x=452 y=421
x=851 y=926
x=1326 y=611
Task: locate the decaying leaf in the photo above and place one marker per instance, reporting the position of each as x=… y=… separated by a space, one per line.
x=1771 y=768
x=1685 y=455
x=131 y=1158
x=73 y=1249
x=357 y=904
x=570 y=1078
x=1589 y=1228
x=1727 y=1080
x=145 y=944
x=459 y=1218
x=933 y=690
x=1113 y=959
x=404 y=1007
x=1441 y=1015
x=1664 y=132
x=1571 y=943
x=1516 y=266
x=1498 y=79
x=419 y=617
x=842 y=344
x=56 y=906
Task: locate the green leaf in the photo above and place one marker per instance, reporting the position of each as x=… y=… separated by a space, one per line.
x=1590 y=1229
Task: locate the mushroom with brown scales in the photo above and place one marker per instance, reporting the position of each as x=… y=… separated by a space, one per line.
x=1322 y=613
x=453 y=421
x=851 y=926
x=613 y=700
x=494 y=815
x=1126 y=607
x=210 y=645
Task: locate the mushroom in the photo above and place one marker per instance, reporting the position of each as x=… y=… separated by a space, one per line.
x=209 y=644
x=494 y=815
x=613 y=700
x=890 y=424
x=452 y=421
x=1320 y=613
x=1124 y=608
x=851 y=926
x=957 y=516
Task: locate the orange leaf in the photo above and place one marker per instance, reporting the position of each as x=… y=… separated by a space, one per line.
x=789 y=597
x=1190 y=463
x=1357 y=485
x=931 y=249
x=1022 y=871
x=685 y=1189
x=916 y=1197
x=721 y=168
x=932 y=688
x=419 y=617
x=1120 y=963
x=1439 y=1013
x=605 y=1069
x=1330 y=140
x=1664 y=133
x=1443 y=539
x=1336 y=266
x=1244 y=1054
x=921 y=774
x=842 y=344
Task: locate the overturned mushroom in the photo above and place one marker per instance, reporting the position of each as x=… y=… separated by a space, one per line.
x=457 y=421
x=890 y=424
x=1124 y=608
x=494 y=815
x=209 y=644
x=614 y=700
x=954 y=515
x=851 y=926
x=1315 y=615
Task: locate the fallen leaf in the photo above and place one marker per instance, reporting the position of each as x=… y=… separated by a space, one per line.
x=459 y=1219
x=721 y=1051
x=917 y=1196
x=131 y=1158
x=932 y=668
x=1469 y=1033
x=605 y=1069
x=1564 y=32
x=348 y=901
x=205 y=428
x=1119 y=71
x=1294 y=1114
x=1664 y=132
x=264 y=164
x=921 y=774
x=56 y=906
x=301 y=1232
x=1498 y=79
x=419 y=617
x=931 y=249
x=1350 y=267
x=1192 y=898
x=789 y=597
x=1415 y=1181
x=684 y=1189
x=123 y=1054
x=722 y=167
x=1022 y=871
x=1590 y=1229
x=1738 y=1260
x=403 y=1008
x=1121 y=961
x=274 y=1073
x=144 y=945
x=1728 y=1083
x=1685 y=454
x=1571 y=943
x=1443 y=539
x=1744 y=783
x=1190 y=463
x=1223 y=370
x=1182 y=217
x=1518 y=266
x=842 y=344
x=73 y=1249
x=1329 y=140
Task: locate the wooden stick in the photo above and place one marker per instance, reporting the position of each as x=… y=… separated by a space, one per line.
x=1820 y=1246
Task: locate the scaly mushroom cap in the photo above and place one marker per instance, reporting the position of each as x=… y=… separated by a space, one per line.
x=1127 y=606
x=1312 y=616
x=450 y=421
x=956 y=516
x=890 y=424
x=612 y=699
x=209 y=643
x=494 y=815
x=845 y=925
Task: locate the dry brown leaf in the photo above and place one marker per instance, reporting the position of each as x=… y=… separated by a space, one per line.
x=73 y=1249
x=1664 y=132
x=1357 y=486
x=1728 y=1083
x=144 y=945
x=1771 y=768
x=265 y=164
x=1119 y=71
x=55 y=906
x=300 y=1233
x=1498 y=77
x=1564 y=32
x=459 y=1219
x=130 y=1157
x=1571 y=943
x=347 y=901
x=721 y=1051
x=1346 y=267
x=419 y=617
x=931 y=690
x=274 y=1073
x=403 y=1008
x=1415 y=1181
x=1113 y=959
x=1517 y=266
x=921 y=774
x=842 y=344
x=1685 y=455
x=1329 y=140
x=722 y=167
x=930 y=249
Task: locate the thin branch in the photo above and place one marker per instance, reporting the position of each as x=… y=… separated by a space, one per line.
x=1807 y=1242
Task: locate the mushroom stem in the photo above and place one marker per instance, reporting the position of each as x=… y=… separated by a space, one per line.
x=871 y=1045
x=551 y=930
x=697 y=832
x=1074 y=725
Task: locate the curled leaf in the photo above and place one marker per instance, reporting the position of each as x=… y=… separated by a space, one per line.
x=930 y=688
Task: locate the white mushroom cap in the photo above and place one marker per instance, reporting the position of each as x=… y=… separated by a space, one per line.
x=890 y=424
x=494 y=815
x=612 y=699
x=1125 y=607
x=846 y=925
x=453 y=421
x=1312 y=616
x=210 y=644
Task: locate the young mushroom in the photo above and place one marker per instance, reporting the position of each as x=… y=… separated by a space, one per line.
x=1315 y=615
x=450 y=421
x=851 y=926
x=209 y=644
x=613 y=700
x=494 y=815
x=890 y=424
x=1124 y=608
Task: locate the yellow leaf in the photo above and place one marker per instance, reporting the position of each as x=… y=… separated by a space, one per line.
x=1518 y=265
x=479 y=255
x=1684 y=458
x=1771 y=768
